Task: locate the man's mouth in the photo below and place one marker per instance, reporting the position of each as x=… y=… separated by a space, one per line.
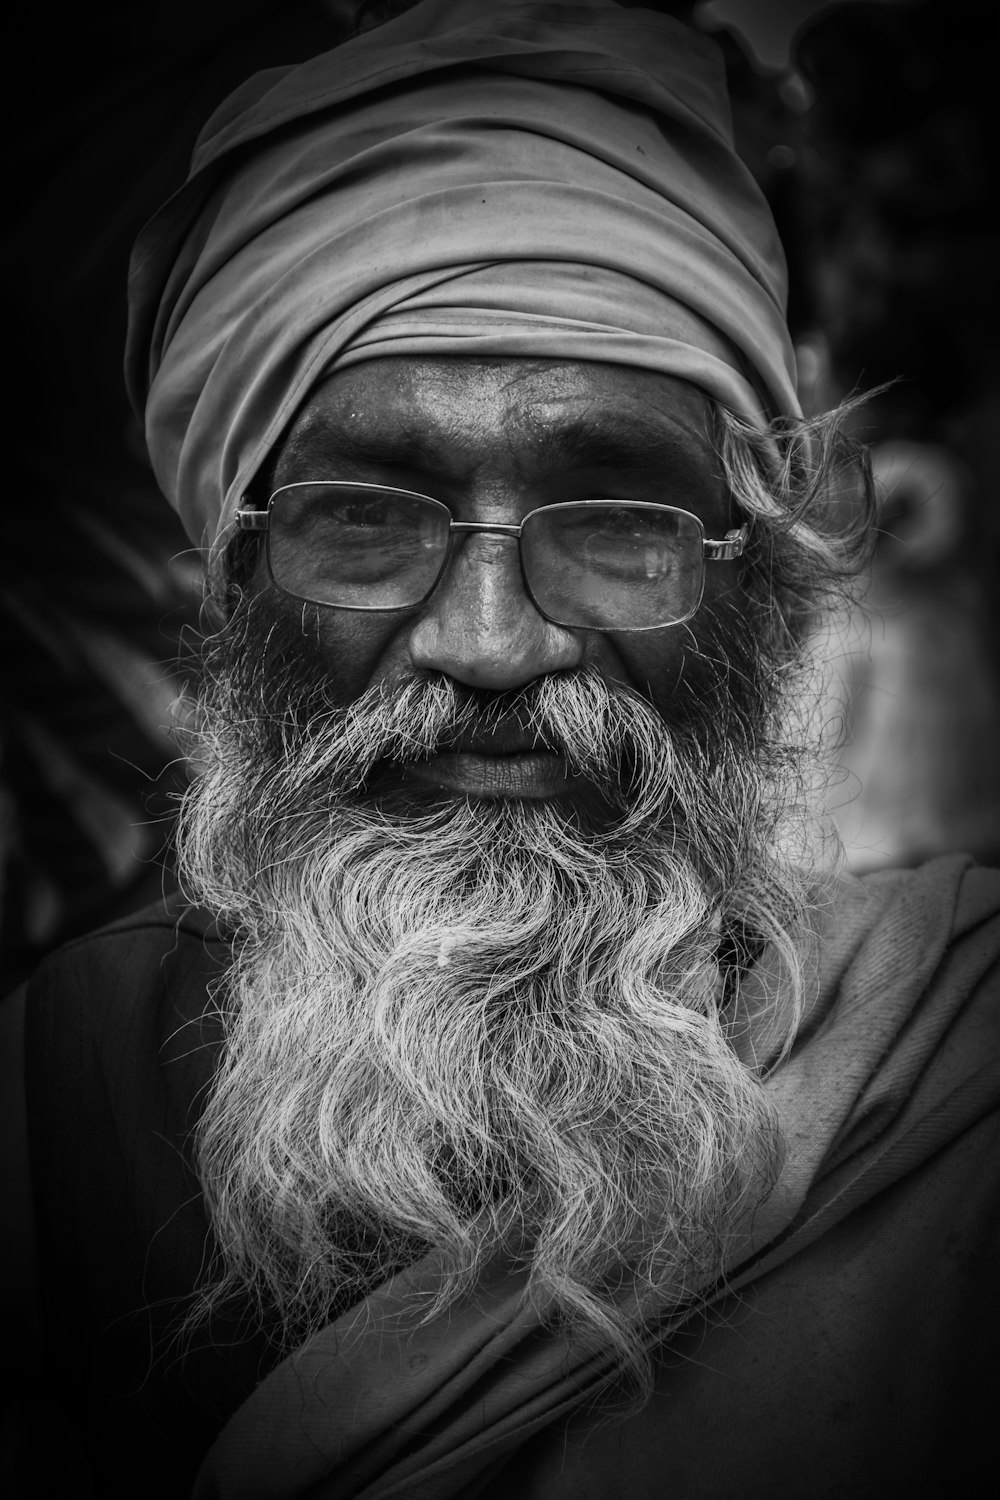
x=503 y=761
x=530 y=774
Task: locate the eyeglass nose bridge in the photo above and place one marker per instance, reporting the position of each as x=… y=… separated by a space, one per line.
x=496 y=526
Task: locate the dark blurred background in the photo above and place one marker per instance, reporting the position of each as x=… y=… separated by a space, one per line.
x=865 y=124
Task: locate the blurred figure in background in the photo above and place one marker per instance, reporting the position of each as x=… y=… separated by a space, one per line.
x=922 y=774
x=894 y=255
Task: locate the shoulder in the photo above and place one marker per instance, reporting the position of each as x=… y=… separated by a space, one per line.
x=907 y=933
x=120 y=1038
x=120 y=1028
x=111 y=1042
x=155 y=933
x=953 y=890
x=135 y=979
x=900 y=1057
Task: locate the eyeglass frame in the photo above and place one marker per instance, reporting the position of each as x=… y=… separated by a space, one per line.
x=725 y=549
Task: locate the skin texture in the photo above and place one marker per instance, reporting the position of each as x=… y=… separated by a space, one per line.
x=494 y=441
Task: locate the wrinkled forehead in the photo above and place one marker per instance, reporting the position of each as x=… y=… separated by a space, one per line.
x=522 y=417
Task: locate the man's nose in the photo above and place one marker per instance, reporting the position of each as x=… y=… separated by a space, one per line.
x=481 y=628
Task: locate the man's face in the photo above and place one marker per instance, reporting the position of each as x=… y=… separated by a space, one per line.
x=479 y=992
x=493 y=442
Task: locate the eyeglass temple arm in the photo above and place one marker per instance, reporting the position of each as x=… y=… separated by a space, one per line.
x=731 y=545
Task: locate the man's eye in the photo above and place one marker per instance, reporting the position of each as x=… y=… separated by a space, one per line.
x=626 y=525
x=368 y=514
x=626 y=522
x=618 y=524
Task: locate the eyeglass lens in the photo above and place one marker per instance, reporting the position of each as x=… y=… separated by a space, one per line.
x=612 y=565
x=604 y=565
x=359 y=548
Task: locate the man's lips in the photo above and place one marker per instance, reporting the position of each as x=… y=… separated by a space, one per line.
x=532 y=774
x=506 y=762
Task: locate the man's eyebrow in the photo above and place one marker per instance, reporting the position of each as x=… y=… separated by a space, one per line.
x=617 y=439
x=330 y=446
x=605 y=439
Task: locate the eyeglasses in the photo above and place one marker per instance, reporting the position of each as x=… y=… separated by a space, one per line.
x=587 y=564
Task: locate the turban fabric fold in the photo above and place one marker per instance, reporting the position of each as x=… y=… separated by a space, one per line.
x=535 y=179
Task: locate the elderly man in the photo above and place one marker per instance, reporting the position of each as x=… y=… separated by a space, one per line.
x=517 y=1102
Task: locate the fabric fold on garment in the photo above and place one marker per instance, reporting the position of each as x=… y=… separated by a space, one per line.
x=898 y=1057
x=554 y=181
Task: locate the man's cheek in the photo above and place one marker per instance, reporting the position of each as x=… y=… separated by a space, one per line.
x=331 y=653
x=355 y=650
x=653 y=664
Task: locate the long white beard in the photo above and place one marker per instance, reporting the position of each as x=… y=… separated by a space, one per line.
x=468 y=1025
